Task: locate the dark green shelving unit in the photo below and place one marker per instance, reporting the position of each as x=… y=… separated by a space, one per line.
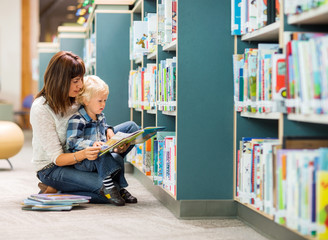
x=203 y=121
x=46 y=51
x=110 y=24
x=71 y=38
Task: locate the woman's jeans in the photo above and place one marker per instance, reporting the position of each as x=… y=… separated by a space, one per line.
x=87 y=178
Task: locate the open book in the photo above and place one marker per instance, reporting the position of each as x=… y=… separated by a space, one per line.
x=136 y=137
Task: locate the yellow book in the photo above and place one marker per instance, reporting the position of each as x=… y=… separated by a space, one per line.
x=322 y=204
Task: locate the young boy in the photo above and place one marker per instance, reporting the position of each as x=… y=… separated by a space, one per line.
x=88 y=127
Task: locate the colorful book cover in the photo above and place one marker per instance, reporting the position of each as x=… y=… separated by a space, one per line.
x=147 y=158
x=174 y=20
x=147 y=133
x=118 y=139
x=155 y=152
x=235 y=17
x=140 y=36
x=322 y=193
x=278 y=82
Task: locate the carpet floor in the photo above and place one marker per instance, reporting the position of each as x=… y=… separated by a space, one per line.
x=148 y=219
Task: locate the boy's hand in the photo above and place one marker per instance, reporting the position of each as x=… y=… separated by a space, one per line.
x=97 y=144
x=122 y=148
x=110 y=133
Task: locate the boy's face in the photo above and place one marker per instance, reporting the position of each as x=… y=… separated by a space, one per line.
x=96 y=104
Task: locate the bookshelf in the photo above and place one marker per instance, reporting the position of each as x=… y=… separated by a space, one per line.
x=314 y=16
x=198 y=92
x=72 y=38
x=108 y=31
x=277 y=125
x=269 y=33
x=46 y=51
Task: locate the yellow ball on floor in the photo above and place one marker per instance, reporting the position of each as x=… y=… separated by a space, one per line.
x=11 y=139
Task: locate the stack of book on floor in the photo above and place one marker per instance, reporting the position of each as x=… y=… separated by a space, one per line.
x=53 y=202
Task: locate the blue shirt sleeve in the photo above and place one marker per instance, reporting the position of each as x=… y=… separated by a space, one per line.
x=75 y=135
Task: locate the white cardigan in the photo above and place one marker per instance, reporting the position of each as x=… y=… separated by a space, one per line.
x=49 y=132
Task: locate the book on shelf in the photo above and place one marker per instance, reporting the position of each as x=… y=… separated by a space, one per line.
x=235 y=17
x=152 y=32
x=255 y=170
x=136 y=137
x=278 y=83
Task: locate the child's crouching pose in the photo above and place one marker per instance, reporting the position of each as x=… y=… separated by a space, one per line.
x=87 y=128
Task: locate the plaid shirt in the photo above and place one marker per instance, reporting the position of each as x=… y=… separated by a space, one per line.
x=83 y=131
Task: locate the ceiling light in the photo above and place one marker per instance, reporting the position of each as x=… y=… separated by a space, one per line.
x=71 y=8
x=70 y=16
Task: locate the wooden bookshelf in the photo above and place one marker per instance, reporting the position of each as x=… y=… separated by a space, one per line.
x=268 y=33
x=152 y=55
x=273 y=116
x=170 y=113
x=172 y=46
x=152 y=111
x=277 y=125
x=313 y=16
x=312 y=118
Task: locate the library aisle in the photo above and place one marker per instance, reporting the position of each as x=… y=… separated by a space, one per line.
x=148 y=219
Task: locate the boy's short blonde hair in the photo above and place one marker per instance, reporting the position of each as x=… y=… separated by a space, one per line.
x=92 y=85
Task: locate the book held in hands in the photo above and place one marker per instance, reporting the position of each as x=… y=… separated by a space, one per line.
x=136 y=137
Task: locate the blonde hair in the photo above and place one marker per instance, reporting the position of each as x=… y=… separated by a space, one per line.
x=93 y=85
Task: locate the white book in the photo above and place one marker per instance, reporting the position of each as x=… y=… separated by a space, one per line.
x=140 y=36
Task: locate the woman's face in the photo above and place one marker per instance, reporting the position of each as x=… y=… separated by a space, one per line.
x=75 y=87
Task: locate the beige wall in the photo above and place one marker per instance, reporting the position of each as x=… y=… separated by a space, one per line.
x=10 y=48
x=35 y=33
x=10 y=51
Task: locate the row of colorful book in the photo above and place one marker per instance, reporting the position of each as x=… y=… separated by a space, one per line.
x=154 y=29
x=53 y=202
x=254 y=173
x=142 y=87
x=248 y=16
x=157 y=158
x=307 y=73
x=289 y=184
x=167 y=84
x=259 y=79
x=149 y=88
x=167 y=21
x=299 y=6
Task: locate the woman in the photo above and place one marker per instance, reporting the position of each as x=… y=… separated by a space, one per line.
x=50 y=112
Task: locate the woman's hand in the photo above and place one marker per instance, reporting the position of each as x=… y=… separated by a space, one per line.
x=122 y=148
x=110 y=133
x=91 y=153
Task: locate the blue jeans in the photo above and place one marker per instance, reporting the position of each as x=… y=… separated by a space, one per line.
x=86 y=178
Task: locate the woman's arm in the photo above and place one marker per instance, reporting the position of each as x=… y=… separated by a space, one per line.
x=90 y=153
x=45 y=137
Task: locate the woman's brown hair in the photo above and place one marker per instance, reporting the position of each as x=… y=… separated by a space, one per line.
x=62 y=68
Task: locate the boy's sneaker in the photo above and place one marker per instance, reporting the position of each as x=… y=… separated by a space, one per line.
x=128 y=198
x=113 y=196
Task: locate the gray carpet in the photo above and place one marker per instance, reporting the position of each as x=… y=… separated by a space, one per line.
x=148 y=219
